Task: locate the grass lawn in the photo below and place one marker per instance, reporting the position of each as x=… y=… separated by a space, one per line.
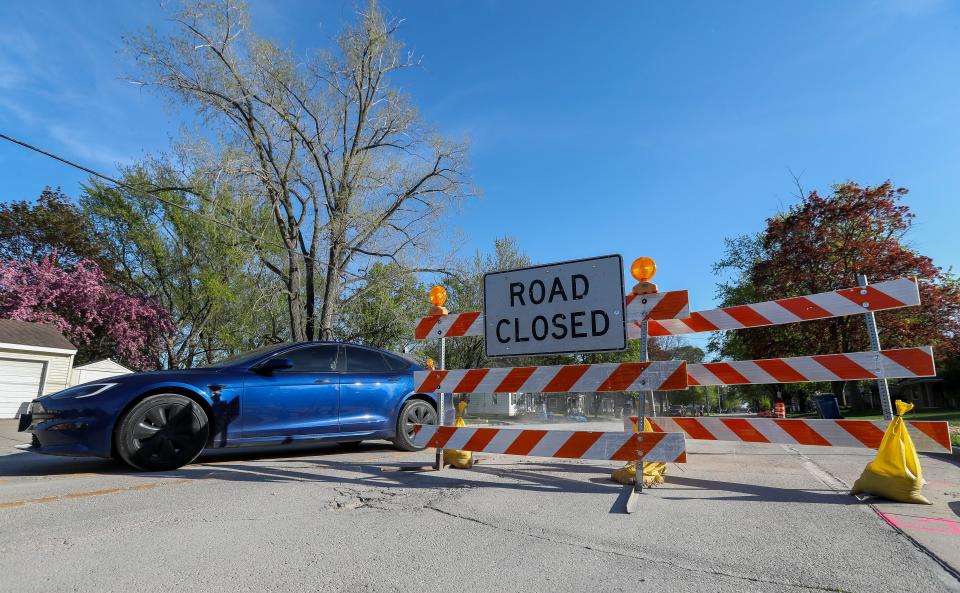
x=950 y=415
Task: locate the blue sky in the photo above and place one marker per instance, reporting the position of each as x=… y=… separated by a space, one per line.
x=640 y=128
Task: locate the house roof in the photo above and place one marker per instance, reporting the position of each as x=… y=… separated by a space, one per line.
x=103 y=364
x=39 y=335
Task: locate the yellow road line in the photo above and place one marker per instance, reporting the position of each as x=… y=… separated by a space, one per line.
x=36 y=478
x=76 y=495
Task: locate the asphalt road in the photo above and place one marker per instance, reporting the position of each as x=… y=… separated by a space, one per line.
x=736 y=518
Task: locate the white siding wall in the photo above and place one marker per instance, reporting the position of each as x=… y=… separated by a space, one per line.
x=483 y=404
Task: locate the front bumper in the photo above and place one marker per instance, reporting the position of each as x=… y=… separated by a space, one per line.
x=26 y=419
x=65 y=431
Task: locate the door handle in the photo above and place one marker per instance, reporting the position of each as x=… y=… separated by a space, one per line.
x=322 y=381
x=393 y=379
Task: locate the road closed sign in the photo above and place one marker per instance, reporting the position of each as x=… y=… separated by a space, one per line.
x=573 y=306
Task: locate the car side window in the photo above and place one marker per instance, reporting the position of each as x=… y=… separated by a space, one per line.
x=312 y=359
x=396 y=363
x=360 y=360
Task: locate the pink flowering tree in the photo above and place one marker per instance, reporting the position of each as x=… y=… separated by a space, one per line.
x=99 y=319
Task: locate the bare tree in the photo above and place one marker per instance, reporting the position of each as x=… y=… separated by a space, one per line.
x=348 y=168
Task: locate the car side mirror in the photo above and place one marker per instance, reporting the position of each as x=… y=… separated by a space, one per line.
x=274 y=364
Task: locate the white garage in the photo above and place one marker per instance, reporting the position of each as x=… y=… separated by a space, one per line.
x=20 y=381
x=97 y=371
x=35 y=359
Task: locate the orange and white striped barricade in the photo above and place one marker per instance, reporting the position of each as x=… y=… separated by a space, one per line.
x=899 y=363
x=628 y=376
x=564 y=444
x=780 y=410
x=668 y=312
x=664 y=305
x=663 y=314
x=453 y=325
x=928 y=436
x=892 y=294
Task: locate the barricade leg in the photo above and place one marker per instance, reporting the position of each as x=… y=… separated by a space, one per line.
x=438 y=463
x=633 y=503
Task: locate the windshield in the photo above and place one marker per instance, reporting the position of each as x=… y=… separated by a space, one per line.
x=246 y=356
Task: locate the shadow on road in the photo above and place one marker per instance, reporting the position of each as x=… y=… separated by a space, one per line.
x=755 y=493
x=384 y=475
x=323 y=464
x=35 y=464
x=945 y=457
x=955 y=507
x=32 y=464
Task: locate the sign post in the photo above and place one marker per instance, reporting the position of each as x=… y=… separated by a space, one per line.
x=642 y=269
x=440 y=411
x=438 y=296
x=874 y=335
x=641 y=415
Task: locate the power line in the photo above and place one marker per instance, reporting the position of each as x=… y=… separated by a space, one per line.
x=151 y=194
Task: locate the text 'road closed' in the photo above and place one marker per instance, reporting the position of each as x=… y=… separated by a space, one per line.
x=567 y=307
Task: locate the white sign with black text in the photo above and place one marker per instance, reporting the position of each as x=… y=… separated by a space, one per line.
x=573 y=306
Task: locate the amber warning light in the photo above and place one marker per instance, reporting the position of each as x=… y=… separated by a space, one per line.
x=438 y=296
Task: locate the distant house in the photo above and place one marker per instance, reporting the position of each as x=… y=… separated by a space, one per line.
x=494 y=404
x=35 y=359
x=97 y=371
x=927 y=392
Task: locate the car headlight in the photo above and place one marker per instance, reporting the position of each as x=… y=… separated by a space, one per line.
x=82 y=391
x=94 y=389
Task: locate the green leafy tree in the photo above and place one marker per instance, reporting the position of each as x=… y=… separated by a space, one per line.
x=167 y=244
x=821 y=244
x=325 y=141
x=384 y=312
x=52 y=227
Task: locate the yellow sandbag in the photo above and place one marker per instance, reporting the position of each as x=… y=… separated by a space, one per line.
x=895 y=473
x=456 y=458
x=653 y=471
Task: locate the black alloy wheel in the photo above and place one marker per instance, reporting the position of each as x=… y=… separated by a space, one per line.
x=415 y=411
x=162 y=432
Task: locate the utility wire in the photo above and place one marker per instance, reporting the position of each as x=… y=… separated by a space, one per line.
x=151 y=193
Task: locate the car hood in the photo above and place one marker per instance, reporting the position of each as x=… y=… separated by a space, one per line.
x=163 y=375
x=171 y=375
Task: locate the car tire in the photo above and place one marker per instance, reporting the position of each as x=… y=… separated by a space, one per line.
x=415 y=411
x=162 y=432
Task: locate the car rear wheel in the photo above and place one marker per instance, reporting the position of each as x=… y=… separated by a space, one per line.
x=162 y=432
x=415 y=411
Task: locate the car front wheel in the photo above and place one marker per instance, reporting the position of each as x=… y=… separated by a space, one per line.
x=415 y=411
x=162 y=432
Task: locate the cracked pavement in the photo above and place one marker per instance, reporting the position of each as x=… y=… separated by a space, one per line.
x=767 y=518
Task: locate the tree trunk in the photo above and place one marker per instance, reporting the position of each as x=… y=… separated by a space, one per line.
x=331 y=293
x=837 y=388
x=295 y=298
x=857 y=401
x=310 y=304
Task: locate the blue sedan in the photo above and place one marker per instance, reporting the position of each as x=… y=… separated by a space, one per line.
x=278 y=394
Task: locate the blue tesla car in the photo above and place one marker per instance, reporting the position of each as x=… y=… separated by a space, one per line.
x=278 y=394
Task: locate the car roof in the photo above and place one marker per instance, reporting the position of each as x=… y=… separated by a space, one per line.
x=402 y=355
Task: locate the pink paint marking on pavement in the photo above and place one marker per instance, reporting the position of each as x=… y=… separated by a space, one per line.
x=945 y=526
